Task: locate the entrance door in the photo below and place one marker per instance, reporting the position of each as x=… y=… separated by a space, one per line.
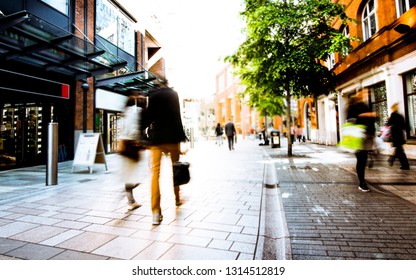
x=114 y=130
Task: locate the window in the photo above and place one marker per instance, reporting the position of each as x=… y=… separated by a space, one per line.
x=369 y=20
x=60 y=5
x=410 y=92
x=378 y=104
x=330 y=62
x=346 y=33
x=404 y=6
x=115 y=27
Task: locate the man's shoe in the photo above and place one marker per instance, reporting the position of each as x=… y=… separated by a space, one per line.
x=157 y=218
x=178 y=203
x=363 y=187
x=404 y=167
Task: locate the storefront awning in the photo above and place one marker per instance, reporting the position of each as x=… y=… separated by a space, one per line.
x=141 y=81
x=29 y=39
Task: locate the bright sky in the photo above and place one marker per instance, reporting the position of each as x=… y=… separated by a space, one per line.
x=195 y=35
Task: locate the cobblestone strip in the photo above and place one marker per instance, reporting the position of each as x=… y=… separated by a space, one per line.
x=328 y=218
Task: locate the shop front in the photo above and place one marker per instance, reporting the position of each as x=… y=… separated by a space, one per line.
x=111 y=96
x=41 y=72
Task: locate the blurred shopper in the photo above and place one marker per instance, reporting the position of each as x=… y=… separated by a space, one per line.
x=398 y=125
x=230 y=133
x=359 y=113
x=129 y=145
x=263 y=132
x=299 y=133
x=163 y=115
x=292 y=134
x=219 y=131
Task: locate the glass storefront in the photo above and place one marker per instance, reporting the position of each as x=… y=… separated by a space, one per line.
x=378 y=101
x=410 y=98
x=21 y=135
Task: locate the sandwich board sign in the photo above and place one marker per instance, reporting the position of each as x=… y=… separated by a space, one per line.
x=90 y=150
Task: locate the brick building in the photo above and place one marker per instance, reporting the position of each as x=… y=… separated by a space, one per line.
x=382 y=64
x=229 y=106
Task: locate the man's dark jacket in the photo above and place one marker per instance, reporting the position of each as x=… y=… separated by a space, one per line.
x=163 y=115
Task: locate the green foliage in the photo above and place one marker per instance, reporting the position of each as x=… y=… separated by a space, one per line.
x=285 y=44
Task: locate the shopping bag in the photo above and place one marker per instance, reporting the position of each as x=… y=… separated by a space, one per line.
x=129 y=148
x=353 y=136
x=385 y=133
x=181 y=174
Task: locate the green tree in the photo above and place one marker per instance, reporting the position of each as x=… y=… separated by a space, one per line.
x=286 y=42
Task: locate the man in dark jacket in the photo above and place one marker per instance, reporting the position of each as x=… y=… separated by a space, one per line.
x=397 y=123
x=230 y=133
x=163 y=116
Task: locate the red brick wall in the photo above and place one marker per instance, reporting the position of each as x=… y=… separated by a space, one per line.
x=79 y=94
x=385 y=46
x=159 y=68
x=140 y=55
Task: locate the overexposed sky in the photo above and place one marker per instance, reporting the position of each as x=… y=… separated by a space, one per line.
x=195 y=35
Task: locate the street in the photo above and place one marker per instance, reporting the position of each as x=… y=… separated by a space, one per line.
x=228 y=213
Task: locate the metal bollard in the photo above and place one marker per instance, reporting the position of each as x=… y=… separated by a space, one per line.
x=52 y=163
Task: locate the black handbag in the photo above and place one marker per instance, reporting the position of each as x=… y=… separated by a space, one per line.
x=181 y=174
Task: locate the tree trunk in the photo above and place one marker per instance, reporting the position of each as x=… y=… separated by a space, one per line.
x=288 y=121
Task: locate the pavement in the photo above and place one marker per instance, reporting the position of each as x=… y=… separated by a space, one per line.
x=253 y=202
x=328 y=218
x=86 y=216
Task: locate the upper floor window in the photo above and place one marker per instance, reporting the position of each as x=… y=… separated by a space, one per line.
x=330 y=62
x=369 y=20
x=404 y=6
x=60 y=5
x=346 y=33
x=115 y=26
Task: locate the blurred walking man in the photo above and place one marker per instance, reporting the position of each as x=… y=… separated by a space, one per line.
x=163 y=116
x=230 y=133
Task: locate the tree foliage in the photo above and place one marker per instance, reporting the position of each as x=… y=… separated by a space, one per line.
x=286 y=42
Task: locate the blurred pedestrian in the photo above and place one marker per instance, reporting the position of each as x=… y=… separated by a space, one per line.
x=230 y=133
x=163 y=115
x=219 y=131
x=299 y=133
x=263 y=132
x=292 y=134
x=359 y=113
x=398 y=125
x=129 y=145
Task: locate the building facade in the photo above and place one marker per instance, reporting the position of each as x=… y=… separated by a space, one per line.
x=229 y=106
x=69 y=62
x=382 y=64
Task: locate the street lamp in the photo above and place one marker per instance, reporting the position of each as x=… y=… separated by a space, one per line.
x=85 y=88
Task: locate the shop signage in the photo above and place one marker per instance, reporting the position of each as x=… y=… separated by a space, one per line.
x=18 y=82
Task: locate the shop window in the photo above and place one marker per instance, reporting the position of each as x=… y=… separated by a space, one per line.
x=115 y=26
x=378 y=102
x=404 y=5
x=410 y=92
x=369 y=20
x=60 y=5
